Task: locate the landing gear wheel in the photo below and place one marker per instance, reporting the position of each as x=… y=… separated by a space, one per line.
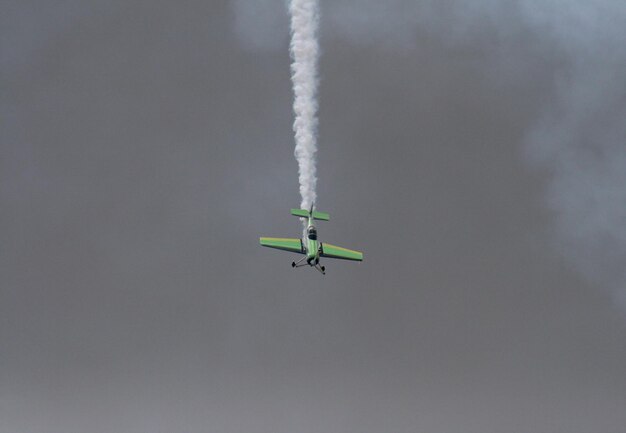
x=293 y=264
x=323 y=269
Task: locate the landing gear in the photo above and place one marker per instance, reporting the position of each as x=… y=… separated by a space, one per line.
x=311 y=262
x=322 y=269
x=297 y=264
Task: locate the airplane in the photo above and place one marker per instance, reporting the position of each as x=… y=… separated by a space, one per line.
x=311 y=247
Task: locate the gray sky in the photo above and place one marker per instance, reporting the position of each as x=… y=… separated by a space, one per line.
x=474 y=151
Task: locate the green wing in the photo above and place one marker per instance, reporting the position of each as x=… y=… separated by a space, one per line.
x=287 y=244
x=335 y=252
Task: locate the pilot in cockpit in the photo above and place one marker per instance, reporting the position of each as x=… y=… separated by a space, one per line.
x=312 y=233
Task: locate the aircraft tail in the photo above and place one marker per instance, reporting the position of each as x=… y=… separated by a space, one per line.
x=303 y=213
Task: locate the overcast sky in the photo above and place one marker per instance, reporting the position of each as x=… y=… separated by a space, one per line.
x=475 y=151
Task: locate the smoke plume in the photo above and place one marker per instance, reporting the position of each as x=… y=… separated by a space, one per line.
x=304 y=50
x=578 y=135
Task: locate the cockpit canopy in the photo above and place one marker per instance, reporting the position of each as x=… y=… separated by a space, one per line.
x=312 y=233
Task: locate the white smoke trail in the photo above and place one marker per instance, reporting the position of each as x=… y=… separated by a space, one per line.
x=304 y=50
x=579 y=138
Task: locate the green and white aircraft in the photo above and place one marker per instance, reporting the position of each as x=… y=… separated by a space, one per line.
x=310 y=246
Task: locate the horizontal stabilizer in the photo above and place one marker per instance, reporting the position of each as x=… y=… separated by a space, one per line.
x=322 y=216
x=300 y=213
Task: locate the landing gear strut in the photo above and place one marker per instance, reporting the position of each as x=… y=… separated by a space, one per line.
x=322 y=269
x=297 y=264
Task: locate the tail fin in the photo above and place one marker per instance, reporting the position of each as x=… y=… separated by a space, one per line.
x=322 y=216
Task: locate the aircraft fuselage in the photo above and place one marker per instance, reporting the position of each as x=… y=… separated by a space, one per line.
x=311 y=244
